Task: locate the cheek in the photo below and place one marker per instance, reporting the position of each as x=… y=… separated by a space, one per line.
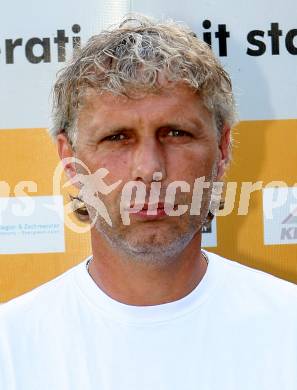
x=192 y=162
x=115 y=162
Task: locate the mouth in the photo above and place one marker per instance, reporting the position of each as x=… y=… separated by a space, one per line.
x=153 y=211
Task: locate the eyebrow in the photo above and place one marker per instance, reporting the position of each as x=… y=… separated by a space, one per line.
x=171 y=125
x=177 y=125
x=191 y=124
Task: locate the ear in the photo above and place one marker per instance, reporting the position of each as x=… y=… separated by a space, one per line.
x=65 y=150
x=224 y=151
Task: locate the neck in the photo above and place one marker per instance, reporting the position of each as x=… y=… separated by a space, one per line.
x=141 y=284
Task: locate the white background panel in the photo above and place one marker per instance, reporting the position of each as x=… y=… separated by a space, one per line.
x=265 y=86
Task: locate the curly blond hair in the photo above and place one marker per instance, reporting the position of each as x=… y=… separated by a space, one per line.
x=129 y=57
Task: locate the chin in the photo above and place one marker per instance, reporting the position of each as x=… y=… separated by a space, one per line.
x=152 y=249
x=149 y=244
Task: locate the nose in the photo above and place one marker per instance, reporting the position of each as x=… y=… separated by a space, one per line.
x=149 y=158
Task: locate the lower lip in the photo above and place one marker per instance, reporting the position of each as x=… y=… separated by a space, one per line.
x=145 y=214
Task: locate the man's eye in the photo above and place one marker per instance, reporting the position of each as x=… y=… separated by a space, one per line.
x=177 y=133
x=115 y=137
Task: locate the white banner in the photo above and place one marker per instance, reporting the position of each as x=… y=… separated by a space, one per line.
x=256 y=42
x=31 y=224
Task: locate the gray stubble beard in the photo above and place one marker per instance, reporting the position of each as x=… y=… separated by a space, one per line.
x=157 y=254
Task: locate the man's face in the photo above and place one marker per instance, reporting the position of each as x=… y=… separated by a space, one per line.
x=170 y=132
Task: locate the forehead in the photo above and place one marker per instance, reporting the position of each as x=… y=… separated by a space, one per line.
x=176 y=102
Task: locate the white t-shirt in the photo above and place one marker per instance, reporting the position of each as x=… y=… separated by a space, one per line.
x=236 y=331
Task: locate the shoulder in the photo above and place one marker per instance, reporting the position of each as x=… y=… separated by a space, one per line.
x=40 y=301
x=255 y=288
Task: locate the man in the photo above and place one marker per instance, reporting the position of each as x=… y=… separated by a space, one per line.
x=148 y=110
